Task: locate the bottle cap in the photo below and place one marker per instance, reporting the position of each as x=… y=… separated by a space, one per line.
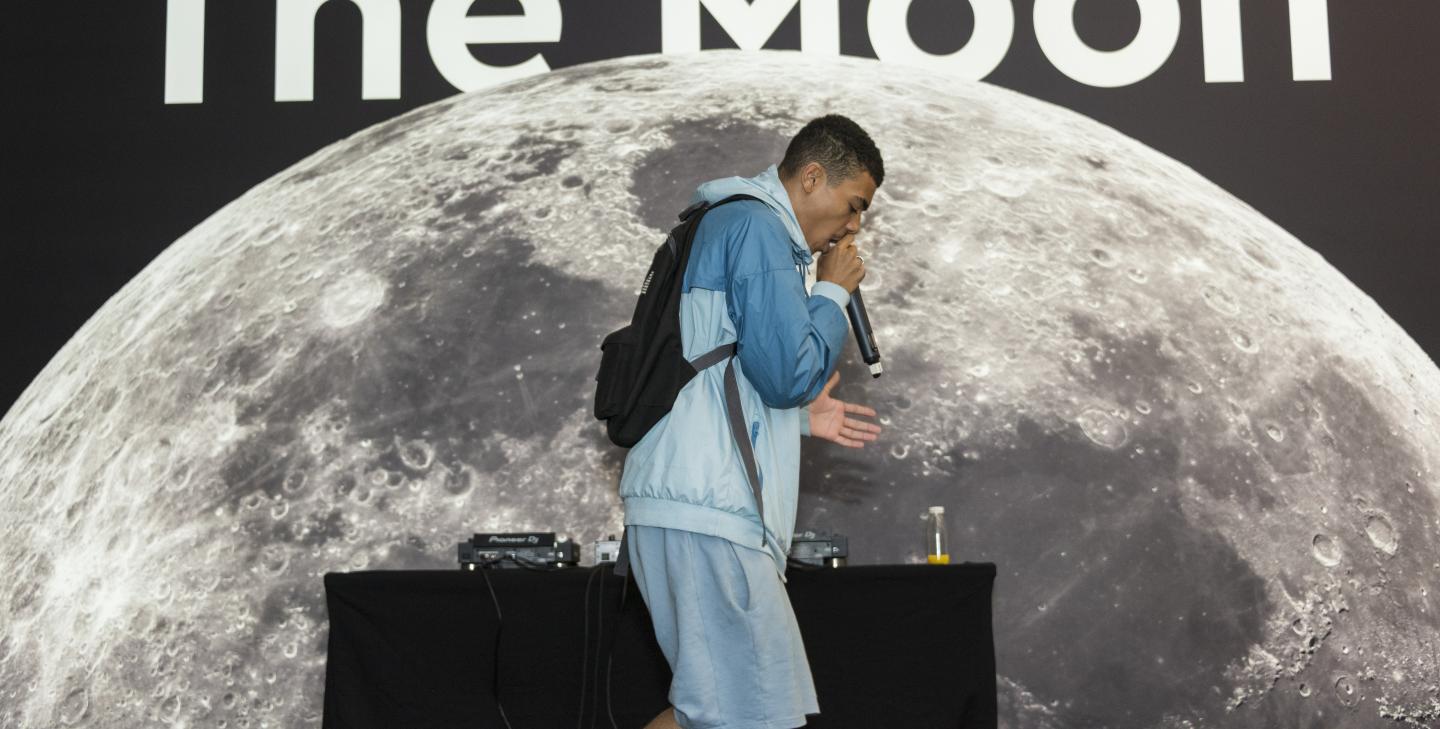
x=937 y=510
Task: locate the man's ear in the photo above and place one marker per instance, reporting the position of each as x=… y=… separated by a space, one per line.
x=813 y=176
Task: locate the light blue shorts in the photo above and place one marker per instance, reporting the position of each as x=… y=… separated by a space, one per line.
x=724 y=622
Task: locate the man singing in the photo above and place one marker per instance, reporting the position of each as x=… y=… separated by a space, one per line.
x=710 y=574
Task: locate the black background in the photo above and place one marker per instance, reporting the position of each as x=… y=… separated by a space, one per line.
x=101 y=175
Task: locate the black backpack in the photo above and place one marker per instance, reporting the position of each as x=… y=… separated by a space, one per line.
x=643 y=365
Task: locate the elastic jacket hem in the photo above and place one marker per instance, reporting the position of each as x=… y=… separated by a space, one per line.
x=671 y=514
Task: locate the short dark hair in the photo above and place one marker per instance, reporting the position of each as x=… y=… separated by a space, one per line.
x=839 y=145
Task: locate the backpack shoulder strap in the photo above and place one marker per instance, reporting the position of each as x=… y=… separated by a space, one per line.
x=687 y=228
x=737 y=422
x=714 y=356
x=742 y=439
x=702 y=205
x=737 y=430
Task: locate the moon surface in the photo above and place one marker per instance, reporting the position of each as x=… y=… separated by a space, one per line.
x=1203 y=461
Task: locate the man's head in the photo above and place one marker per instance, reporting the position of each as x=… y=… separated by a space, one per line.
x=831 y=171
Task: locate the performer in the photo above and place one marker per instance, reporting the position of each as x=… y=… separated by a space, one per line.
x=713 y=585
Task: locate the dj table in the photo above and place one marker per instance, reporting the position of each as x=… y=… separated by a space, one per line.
x=904 y=645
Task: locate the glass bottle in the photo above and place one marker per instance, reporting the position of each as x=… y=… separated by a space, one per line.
x=937 y=544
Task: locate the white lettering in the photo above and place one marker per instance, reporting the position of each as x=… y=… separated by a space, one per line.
x=185 y=51
x=295 y=49
x=750 y=25
x=1151 y=47
x=820 y=27
x=1220 y=29
x=988 y=44
x=1310 y=40
x=449 y=29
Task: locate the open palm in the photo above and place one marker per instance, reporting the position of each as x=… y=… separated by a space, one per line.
x=830 y=419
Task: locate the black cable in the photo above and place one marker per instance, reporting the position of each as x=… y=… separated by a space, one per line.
x=585 y=655
x=599 y=641
x=530 y=564
x=610 y=662
x=499 y=625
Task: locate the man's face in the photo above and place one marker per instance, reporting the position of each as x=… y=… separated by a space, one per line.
x=827 y=214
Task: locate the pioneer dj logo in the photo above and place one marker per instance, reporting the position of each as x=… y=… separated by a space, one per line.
x=497 y=539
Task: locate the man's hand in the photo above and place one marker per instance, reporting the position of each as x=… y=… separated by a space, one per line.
x=830 y=419
x=841 y=264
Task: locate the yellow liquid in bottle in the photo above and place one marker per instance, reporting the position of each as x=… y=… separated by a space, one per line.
x=938 y=558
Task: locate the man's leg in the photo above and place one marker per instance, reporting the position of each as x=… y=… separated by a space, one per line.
x=666 y=720
x=721 y=614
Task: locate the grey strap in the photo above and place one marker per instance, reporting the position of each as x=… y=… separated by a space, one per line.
x=622 y=560
x=713 y=356
x=737 y=429
x=742 y=439
x=737 y=422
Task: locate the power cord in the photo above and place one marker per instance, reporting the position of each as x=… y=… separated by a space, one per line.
x=599 y=639
x=482 y=568
x=585 y=665
x=499 y=626
x=585 y=670
x=585 y=654
x=610 y=661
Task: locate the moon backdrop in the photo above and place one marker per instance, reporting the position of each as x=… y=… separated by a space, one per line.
x=1203 y=461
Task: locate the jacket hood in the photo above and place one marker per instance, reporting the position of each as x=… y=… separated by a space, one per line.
x=768 y=188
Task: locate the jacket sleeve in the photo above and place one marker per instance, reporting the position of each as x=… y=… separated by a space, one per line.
x=789 y=342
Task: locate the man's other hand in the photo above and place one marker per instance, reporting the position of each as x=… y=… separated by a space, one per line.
x=830 y=419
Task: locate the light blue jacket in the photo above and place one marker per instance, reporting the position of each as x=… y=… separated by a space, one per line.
x=746 y=283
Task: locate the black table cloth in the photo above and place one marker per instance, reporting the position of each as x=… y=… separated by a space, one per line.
x=889 y=646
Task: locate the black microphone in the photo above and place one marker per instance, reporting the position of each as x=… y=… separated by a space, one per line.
x=864 y=335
